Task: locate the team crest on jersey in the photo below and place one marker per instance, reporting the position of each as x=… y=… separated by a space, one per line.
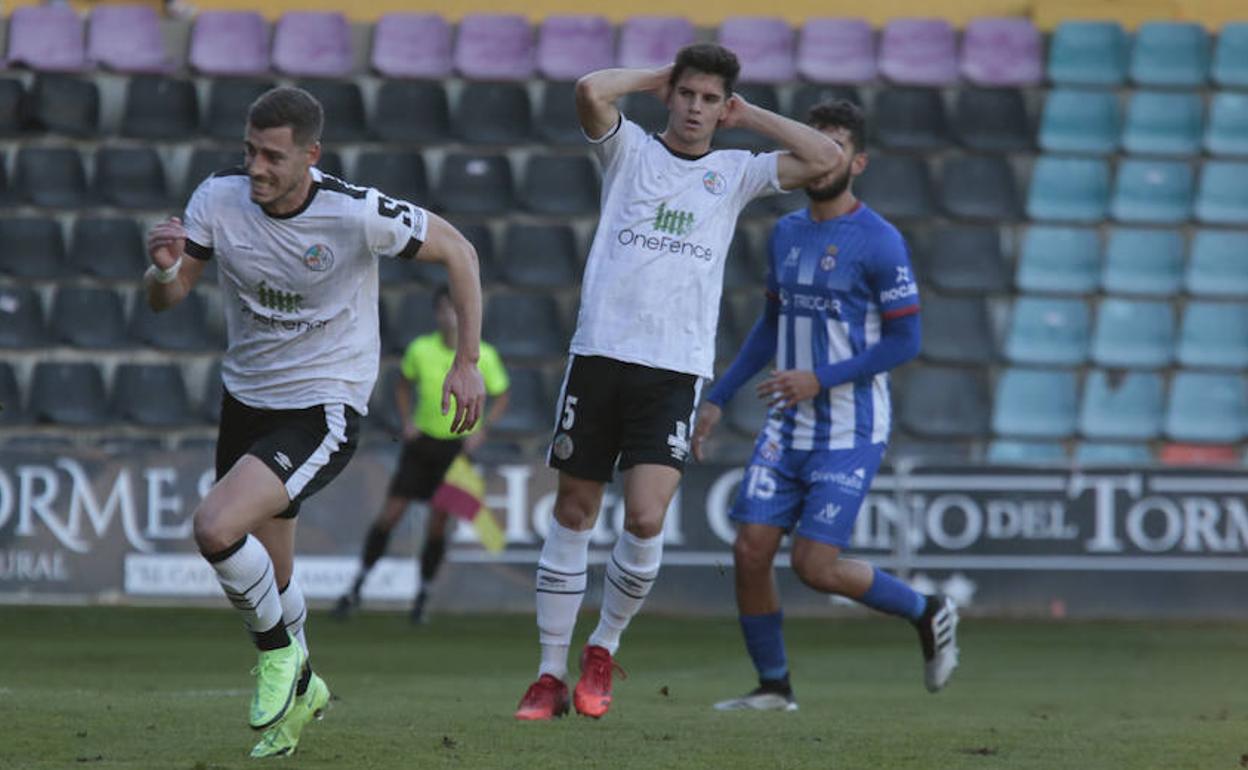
x=714 y=182
x=829 y=258
x=770 y=451
x=318 y=258
x=562 y=446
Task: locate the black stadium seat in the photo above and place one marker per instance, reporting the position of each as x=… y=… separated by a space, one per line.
x=539 y=256
x=476 y=184
x=181 y=327
x=108 y=247
x=50 y=177
x=64 y=104
x=68 y=394
x=897 y=186
x=344 y=109
x=159 y=107
x=152 y=395
x=12 y=106
x=228 y=102
x=557 y=122
x=411 y=315
x=964 y=258
x=560 y=185
x=494 y=114
x=88 y=318
x=130 y=177
x=529 y=407
x=940 y=402
x=524 y=325
x=808 y=95
x=759 y=94
x=12 y=410
x=956 y=330
x=21 y=318
x=646 y=111
x=910 y=119
x=992 y=120
x=32 y=248
x=397 y=173
x=214 y=389
x=206 y=161
x=979 y=187
x=412 y=111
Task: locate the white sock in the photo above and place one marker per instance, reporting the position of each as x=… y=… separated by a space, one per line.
x=631 y=571
x=295 y=612
x=248 y=580
x=560 y=588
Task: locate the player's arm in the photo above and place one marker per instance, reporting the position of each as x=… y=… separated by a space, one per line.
x=597 y=93
x=173 y=271
x=403 y=400
x=810 y=153
x=498 y=407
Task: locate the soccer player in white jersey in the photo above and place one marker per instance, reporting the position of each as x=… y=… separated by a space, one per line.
x=298 y=253
x=842 y=310
x=645 y=337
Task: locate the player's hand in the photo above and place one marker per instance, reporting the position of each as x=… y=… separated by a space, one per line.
x=708 y=418
x=165 y=243
x=464 y=383
x=662 y=83
x=789 y=387
x=735 y=113
x=474 y=442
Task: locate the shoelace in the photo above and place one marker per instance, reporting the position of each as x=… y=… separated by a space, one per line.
x=601 y=667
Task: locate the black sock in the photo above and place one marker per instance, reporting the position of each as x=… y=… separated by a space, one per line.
x=780 y=685
x=431 y=558
x=273 y=639
x=375 y=543
x=304 y=679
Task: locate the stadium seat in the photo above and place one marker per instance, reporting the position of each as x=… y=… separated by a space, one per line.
x=1080 y=120
x=943 y=452
x=897 y=186
x=313 y=44
x=1139 y=261
x=1214 y=335
x=89 y=318
x=746 y=413
x=646 y=111
x=493 y=113
x=412 y=45
x=1032 y=403
x=764 y=46
x=481 y=238
x=957 y=330
x=397 y=173
x=556 y=122
x=46 y=38
x=8 y=195
x=1002 y=52
x=1228 y=124
x=1121 y=406
x=151 y=395
x=524 y=325
x=412 y=111
x=210 y=405
x=1222 y=198
x=1088 y=53
x=560 y=185
x=206 y=161
x=910 y=119
x=476 y=184
x=807 y=95
x=941 y=402
x=1133 y=334
x=21 y=318
x=1093 y=453
x=1230 y=58
x=1219 y=264
x=50 y=177
x=1069 y=189
x=964 y=258
x=130 y=177
x=1064 y=260
x=159 y=107
x=648 y=42
x=68 y=394
x=742 y=270
x=494 y=47
x=64 y=104
x=411 y=315
x=396 y=272
x=127 y=38
x=833 y=50
x=569 y=46
x=1206 y=408
x=979 y=187
x=344 y=109
x=32 y=248
x=383 y=412
x=1199 y=455
x=539 y=256
x=12 y=107
x=228 y=102
x=1163 y=123
x=182 y=327
x=992 y=120
x=229 y=43
x=1048 y=331
x=1008 y=452
x=919 y=52
x=12 y=410
x=762 y=95
x=529 y=406
x=111 y=248
x=1170 y=53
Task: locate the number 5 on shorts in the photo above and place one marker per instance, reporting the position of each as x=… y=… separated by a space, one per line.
x=569 y=412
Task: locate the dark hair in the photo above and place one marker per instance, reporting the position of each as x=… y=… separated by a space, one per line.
x=288 y=106
x=440 y=293
x=709 y=58
x=841 y=113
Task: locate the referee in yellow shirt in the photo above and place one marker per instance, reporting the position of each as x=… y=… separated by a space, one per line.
x=429 y=447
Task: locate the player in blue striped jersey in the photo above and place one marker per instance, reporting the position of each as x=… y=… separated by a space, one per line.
x=842 y=310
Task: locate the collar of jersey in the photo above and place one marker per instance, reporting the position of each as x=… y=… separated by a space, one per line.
x=678 y=153
x=312 y=190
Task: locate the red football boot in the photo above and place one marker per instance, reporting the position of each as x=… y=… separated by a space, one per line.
x=593 y=693
x=546 y=698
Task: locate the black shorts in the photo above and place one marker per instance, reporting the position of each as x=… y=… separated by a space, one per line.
x=306 y=448
x=610 y=411
x=422 y=466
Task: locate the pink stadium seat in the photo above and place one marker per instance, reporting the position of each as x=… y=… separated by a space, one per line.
x=127 y=38
x=571 y=46
x=230 y=43
x=412 y=45
x=494 y=46
x=1002 y=52
x=46 y=38
x=312 y=44
x=919 y=52
x=652 y=41
x=764 y=46
x=836 y=51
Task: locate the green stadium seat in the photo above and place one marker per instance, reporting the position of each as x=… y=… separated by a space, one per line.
x=1163 y=123
x=1170 y=53
x=1143 y=261
x=1230 y=58
x=1121 y=406
x=1055 y=259
x=1228 y=124
x=1219 y=264
x=1035 y=403
x=1088 y=53
x=1133 y=334
x=1222 y=198
x=1153 y=191
x=1090 y=453
x=1048 y=331
x=1080 y=121
x=1069 y=189
x=1206 y=407
x=1007 y=452
x=1214 y=335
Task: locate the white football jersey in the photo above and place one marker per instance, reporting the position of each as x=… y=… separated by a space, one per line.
x=655 y=271
x=300 y=290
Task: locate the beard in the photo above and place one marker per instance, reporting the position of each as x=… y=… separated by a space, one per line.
x=830 y=191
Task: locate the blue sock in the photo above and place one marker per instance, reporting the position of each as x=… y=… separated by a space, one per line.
x=888 y=594
x=764 y=639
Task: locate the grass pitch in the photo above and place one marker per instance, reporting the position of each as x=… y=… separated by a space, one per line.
x=158 y=688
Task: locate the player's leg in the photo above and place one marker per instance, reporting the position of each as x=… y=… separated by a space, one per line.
x=376 y=541
x=432 y=553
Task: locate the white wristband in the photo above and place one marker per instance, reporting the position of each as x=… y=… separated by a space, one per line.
x=165 y=276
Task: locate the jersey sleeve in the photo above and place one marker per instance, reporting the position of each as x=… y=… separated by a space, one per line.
x=614 y=145
x=393 y=228
x=890 y=278
x=760 y=176
x=493 y=373
x=197 y=221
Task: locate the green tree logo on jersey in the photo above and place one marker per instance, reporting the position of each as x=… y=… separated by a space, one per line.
x=281 y=301
x=672 y=222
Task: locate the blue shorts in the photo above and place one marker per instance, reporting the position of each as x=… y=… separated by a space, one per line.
x=812 y=494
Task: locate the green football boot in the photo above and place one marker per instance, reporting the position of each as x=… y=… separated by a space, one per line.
x=282 y=739
x=277 y=674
